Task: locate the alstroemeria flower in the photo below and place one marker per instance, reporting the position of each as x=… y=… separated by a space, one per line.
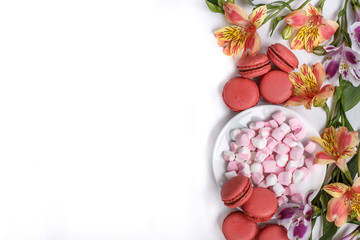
x=338 y=145
x=345 y=199
x=243 y=33
x=307 y=87
x=354 y=235
x=355 y=32
x=342 y=60
x=296 y=218
x=312 y=27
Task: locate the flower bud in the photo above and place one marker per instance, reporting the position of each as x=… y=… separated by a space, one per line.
x=320 y=51
x=287 y=32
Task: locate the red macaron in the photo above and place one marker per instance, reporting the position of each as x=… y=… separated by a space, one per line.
x=282 y=57
x=240 y=94
x=272 y=231
x=236 y=226
x=236 y=191
x=254 y=66
x=261 y=206
x=276 y=87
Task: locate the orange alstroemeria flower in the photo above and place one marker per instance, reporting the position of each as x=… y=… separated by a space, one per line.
x=338 y=145
x=312 y=27
x=243 y=34
x=345 y=199
x=307 y=87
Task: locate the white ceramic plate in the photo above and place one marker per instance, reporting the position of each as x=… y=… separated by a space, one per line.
x=312 y=182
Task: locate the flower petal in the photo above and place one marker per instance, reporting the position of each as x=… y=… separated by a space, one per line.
x=338 y=211
x=332 y=69
x=297 y=18
x=324 y=93
x=299 y=40
x=312 y=10
x=351 y=57
x=356 y=186
x=297 y=101
x=319 y=73
x=355 y=31
x=252 y=45
x=258 y=15
x=312 y=39
x=346 y=141
x=236 y=15
x=356 y=74
x=323 y=158
x=299 y=231
x=233 y=39
x=336 y=189
x=327 y=29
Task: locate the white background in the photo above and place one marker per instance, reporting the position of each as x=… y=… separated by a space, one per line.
x=108 y=114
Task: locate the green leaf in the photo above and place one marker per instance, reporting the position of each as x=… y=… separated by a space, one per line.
x=352 y=165
x=275 y=22
x=351 y=96
x=329 y=232
x=214 y=7
x=221 y=3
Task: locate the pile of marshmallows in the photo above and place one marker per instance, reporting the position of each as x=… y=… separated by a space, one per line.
x=271 y=154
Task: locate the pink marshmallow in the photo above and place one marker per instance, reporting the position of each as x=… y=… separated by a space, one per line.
x=300 y=133
x=234 y=133
x=271 y=143
x=270 y=157
x=278 y=189
x=228 y=156
x=289 y=142
x=273 y=123
x=244 y=169
x=291 y=166
x=261 y=154
x=265 y=131
x=295 y=123
x=249 y=132
x=287 y=191
x=279 y=117
x=279 y=169
x=305 y=170
x=293 y=189
x=257 y=178
x=309 y=162
x=233 y=147
x=296 y=153
x=259 y=142
x=269 y=166
x=281 y=160
x=251 y=146
x=300 y=162
x=310 y=147
x=284 y=178
x=230 y=175
x=282 y=149
x=298 y=175
x=271 y=180
x=232 y=166
x=243 y=153
x=242 y=140
x=256 y=125
x=297 y=198
x=278 y=134
x=291 y=136
x=267 y=124
x=256 y=168
x=285 y=128
x=262 y=184
x=282 y=199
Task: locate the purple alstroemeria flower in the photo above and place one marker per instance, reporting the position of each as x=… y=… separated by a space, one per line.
x=355 y=32
x=342 y=60
x=354 y=235
x=296 y=218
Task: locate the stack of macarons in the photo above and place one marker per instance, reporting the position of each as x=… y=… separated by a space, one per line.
x=275 y=87
x=258 y=205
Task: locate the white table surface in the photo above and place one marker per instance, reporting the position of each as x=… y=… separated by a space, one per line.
x=109 y=112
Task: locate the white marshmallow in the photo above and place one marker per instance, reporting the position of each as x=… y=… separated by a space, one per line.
x=259 y=142
x=256 y=168
x=300 y=145
x=265 y=131
x=271 y=180
x=234 y=133
x=278 y=189
x=285 y=128
x=256 y=125
x=291 y=166
x=281 y=160
x=243 y=153
x=228 y=156
x=298 y=175
x=249 y=132
x=230 y=175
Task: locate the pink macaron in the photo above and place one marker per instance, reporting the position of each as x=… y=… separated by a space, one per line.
x=272 y=231
x=261 y=206
x=236 y=226
x=282 y=57
x=254 y=66
x=276 y=87
x=236 y=191
x=240 y=94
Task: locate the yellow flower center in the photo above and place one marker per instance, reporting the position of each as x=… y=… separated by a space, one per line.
x=235 y=33
x=355 y=203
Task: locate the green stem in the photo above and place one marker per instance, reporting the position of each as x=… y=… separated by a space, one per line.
x=326 y=108
x=304 y=4
x=348 y=177
x=358 y=160
x=280 y=9
x=321 y=4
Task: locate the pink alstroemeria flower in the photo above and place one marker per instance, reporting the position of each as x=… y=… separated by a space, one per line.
x=307 y=87
x=338 y=145
x=243 y=33
x=296 y=218
x=342 y=61
x=345 y=199
x=312 y=27
x=355 y=32
x=354 y=235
